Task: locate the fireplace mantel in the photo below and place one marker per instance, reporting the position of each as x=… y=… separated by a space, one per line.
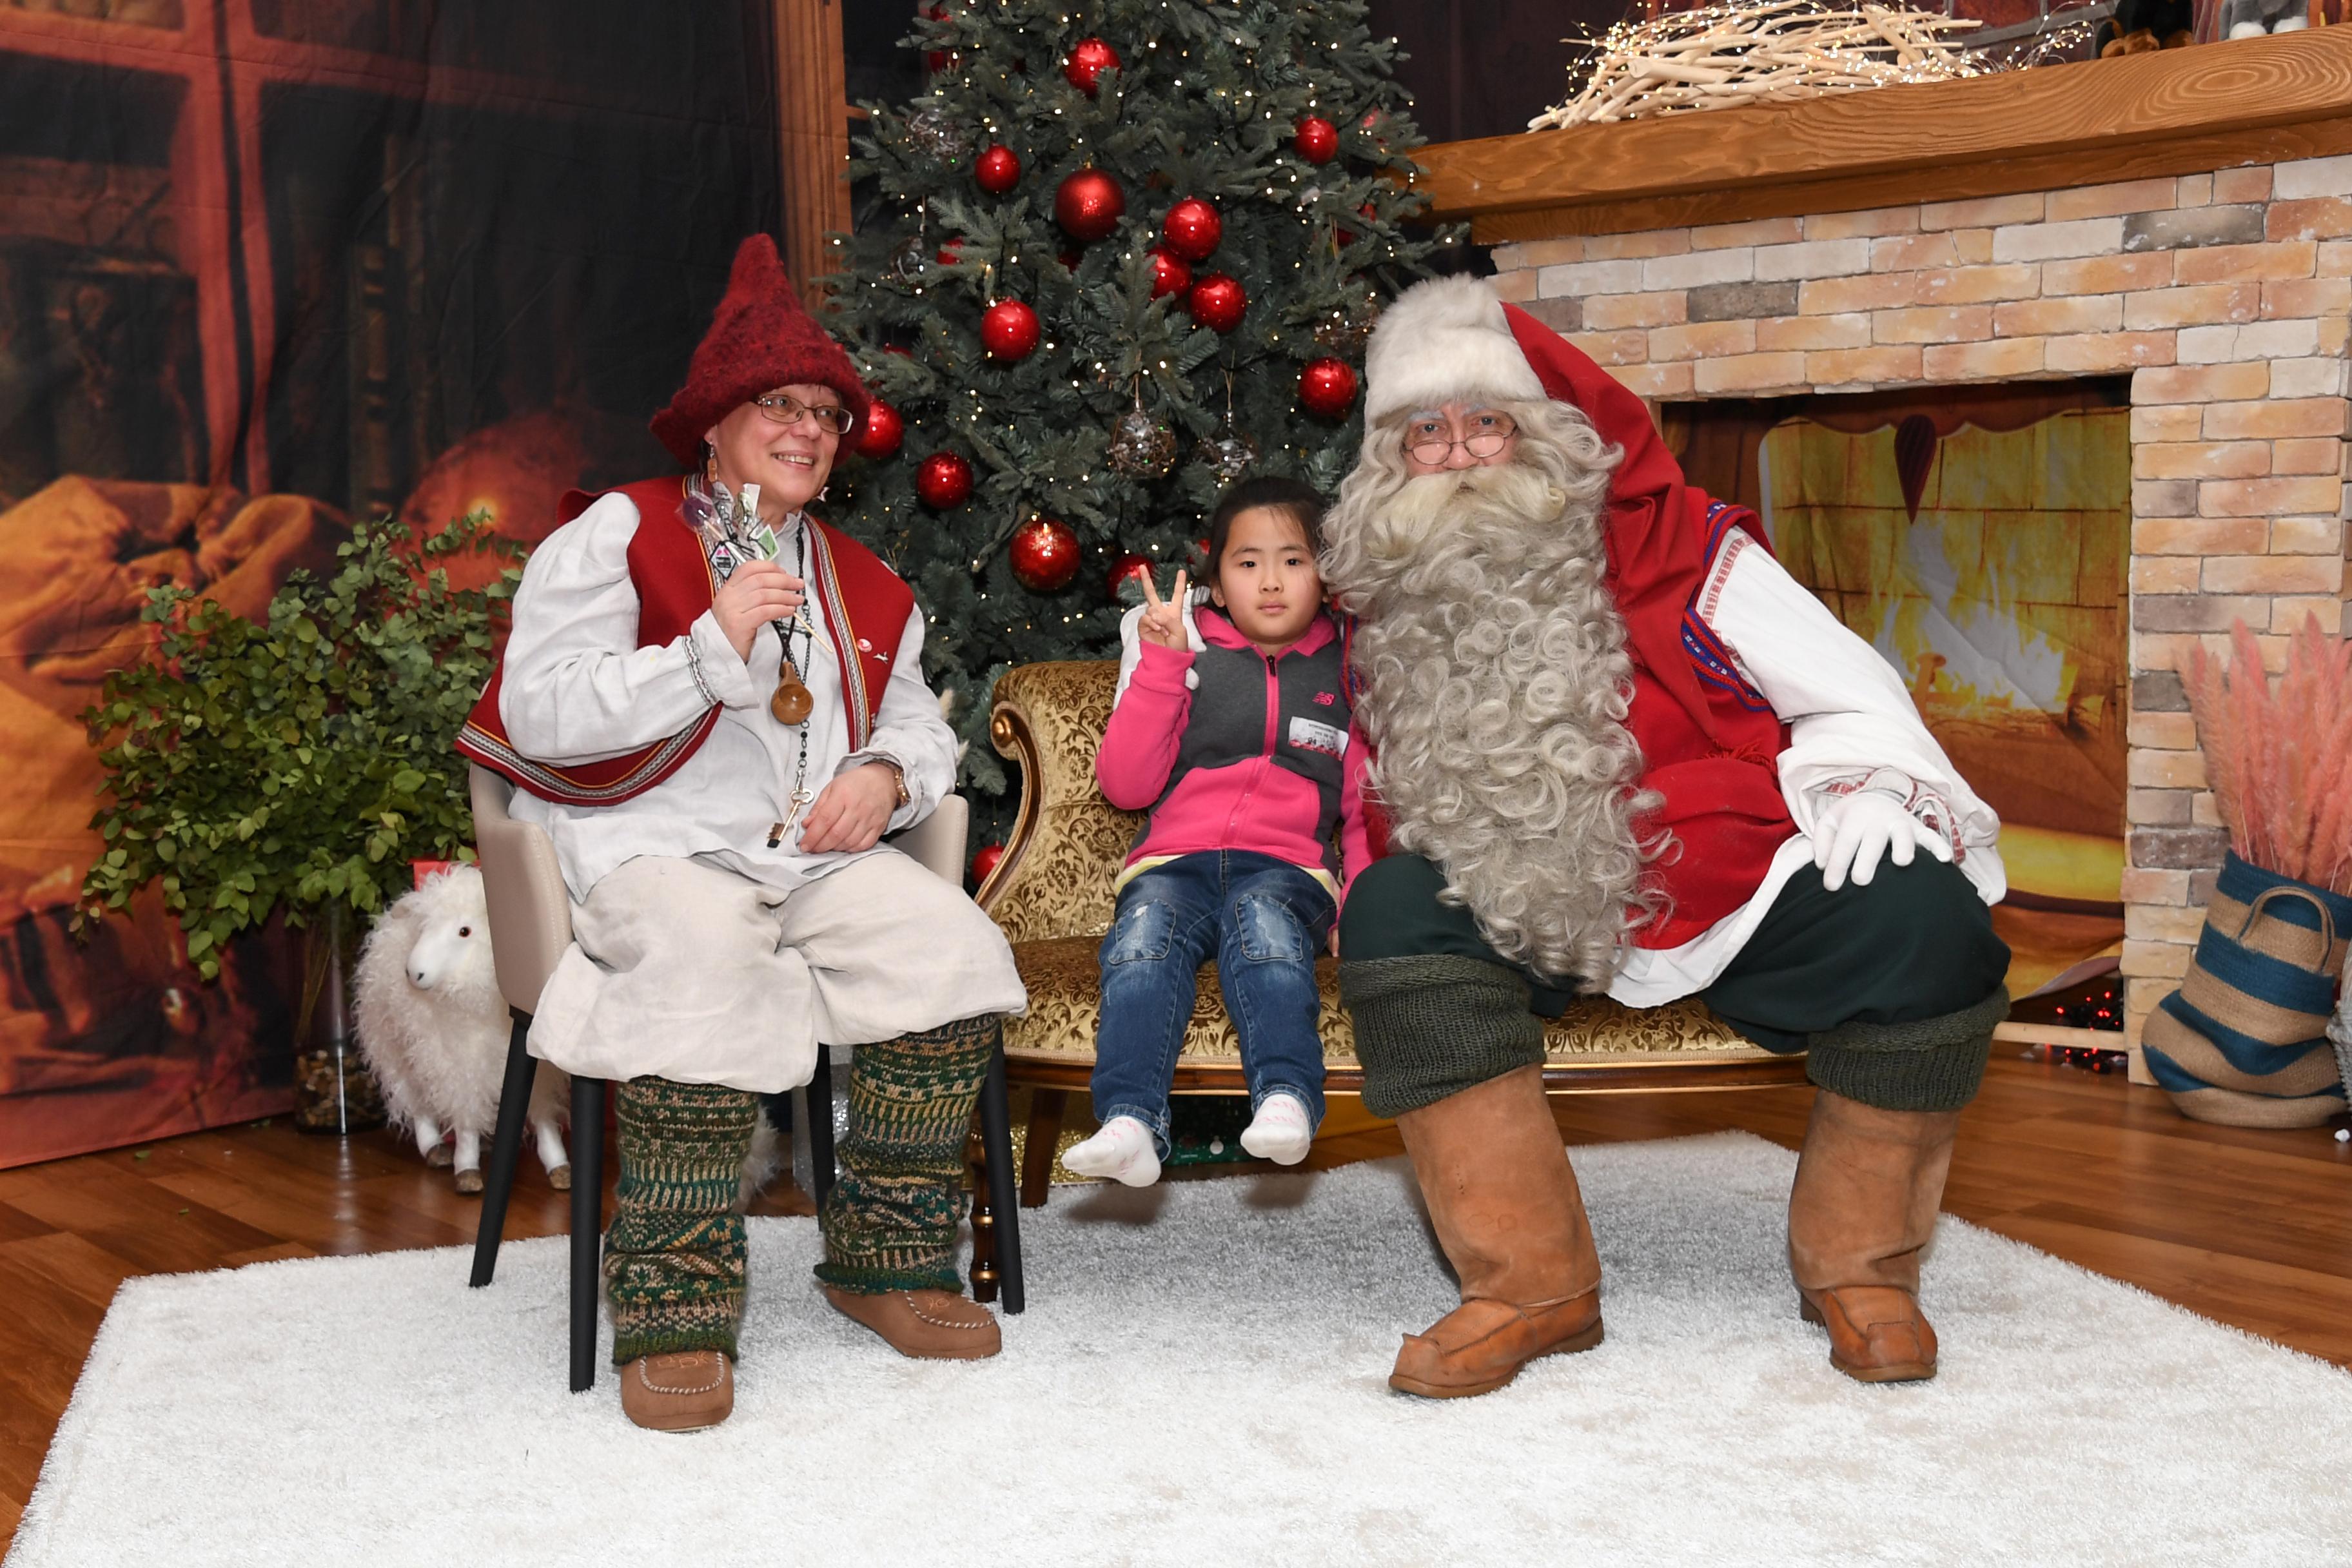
x=2254 y=101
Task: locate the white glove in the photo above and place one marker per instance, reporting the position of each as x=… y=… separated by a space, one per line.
x=1852 y=831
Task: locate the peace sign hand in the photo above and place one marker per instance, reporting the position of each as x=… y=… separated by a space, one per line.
x=1163 y=619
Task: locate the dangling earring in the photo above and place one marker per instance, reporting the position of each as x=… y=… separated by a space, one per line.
x=711 y=465
x=821 y=491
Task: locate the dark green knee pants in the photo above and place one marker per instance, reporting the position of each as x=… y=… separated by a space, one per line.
x=1891 y=988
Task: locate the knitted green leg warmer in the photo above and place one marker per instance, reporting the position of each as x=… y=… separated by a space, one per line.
x=1931 y=1064
x=674 y=1255
x=1428 y=1026
x=890 y=1221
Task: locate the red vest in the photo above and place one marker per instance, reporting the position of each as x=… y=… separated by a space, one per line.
x=866 y=608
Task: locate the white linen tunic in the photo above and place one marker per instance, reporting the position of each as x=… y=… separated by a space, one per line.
x=700 y=953
x=579 y=689
x=1849 y=715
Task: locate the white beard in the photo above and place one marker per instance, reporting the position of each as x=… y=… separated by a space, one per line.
x=1497 y=690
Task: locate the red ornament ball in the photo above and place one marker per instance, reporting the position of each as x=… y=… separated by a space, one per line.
x=1045 y=555
x=984 y=861
x=1217 y=303
x=880 y=432
x=1090 y=58
x=1008 y=331
x=953 y=251
x=1326 y=387
x=1169 y=274
x=1127 y=565
x=1192 y=229
x=1087 y=205
x=944 y=480
x=997 y=171
x=1317 y=139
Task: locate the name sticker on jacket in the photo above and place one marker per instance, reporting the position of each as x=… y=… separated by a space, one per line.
x=1314 y=737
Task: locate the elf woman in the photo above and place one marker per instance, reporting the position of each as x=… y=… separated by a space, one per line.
x=715 y=705
x=1230 y=726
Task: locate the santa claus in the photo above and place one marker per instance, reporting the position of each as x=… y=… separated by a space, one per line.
x=1620 y=748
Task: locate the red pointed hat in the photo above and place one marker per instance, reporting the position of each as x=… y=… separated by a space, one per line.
x=761 y=339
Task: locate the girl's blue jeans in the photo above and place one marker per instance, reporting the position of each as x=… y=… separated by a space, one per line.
x=1263 y=920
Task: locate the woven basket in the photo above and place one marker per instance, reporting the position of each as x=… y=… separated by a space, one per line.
x=2243 y=1042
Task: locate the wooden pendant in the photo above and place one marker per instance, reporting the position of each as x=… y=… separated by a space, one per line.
x=791 y=702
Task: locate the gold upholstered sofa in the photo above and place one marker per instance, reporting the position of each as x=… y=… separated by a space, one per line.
x=1052 y=895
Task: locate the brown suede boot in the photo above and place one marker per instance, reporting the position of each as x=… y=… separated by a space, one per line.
x=1505 y=1206
x=1868 y=1185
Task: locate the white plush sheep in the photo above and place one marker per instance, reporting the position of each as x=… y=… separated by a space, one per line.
x=434 y=1027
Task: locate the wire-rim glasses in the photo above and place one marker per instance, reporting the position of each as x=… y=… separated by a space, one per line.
x=783 y=409
x=1425 y=438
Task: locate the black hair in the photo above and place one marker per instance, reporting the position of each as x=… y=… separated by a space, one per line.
x=1301 y=501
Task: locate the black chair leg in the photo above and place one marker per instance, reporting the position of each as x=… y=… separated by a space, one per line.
x=1003 y=1181
x=506 y=1150
x=587 y=1225
x=819 y=1131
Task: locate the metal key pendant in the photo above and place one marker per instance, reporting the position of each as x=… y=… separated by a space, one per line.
x=799 y=798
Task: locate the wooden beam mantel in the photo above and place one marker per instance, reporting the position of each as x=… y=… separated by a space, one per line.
x=2175 y=112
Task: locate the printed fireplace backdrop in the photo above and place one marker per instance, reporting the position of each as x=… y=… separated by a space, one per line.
x=1977 y=539
x=267 y=266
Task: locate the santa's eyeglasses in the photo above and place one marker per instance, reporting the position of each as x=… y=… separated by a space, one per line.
x=783 y=409
x=1427 y=441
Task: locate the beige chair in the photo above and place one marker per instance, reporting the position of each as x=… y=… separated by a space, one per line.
x=1050 y=894
x=530 y=927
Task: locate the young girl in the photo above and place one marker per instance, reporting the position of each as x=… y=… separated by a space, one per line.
x=1230 y=726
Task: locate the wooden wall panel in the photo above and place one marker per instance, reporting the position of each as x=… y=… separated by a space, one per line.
x=812 y=108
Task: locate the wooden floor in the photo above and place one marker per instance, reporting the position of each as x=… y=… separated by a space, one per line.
x=2253 y=1229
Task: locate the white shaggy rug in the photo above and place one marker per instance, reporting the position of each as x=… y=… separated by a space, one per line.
x=1199 y=1379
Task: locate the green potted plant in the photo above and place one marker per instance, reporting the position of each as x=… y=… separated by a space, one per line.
x=299 y=766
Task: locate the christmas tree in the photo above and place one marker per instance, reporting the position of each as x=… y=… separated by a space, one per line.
x=1117 y=257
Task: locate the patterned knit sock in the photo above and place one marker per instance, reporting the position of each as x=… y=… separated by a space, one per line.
x=673 y=1256
x=890 y=1221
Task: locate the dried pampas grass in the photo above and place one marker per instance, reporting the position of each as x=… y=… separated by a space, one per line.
x=2279 y=759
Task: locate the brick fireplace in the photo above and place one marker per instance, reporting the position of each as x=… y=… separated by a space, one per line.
x=2217 y=278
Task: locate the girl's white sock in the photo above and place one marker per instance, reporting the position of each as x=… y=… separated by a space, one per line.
x=1121 y=1151
x=1280 y=1130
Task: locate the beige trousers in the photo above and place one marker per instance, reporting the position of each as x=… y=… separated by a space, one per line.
x=682 y=969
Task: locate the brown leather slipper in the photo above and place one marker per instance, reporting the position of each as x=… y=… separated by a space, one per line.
x=932 y=1325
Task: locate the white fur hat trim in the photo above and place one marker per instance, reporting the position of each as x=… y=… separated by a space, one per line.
x=1444 y=339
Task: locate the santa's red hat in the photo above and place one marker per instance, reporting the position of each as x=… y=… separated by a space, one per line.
x=761 y=339
x=1444 y=341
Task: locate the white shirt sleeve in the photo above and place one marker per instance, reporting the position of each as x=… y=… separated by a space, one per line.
x=1851 y=719
x=577 y=689
x=910 y=730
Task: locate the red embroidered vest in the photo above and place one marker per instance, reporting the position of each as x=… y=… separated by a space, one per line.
x=864 y=605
